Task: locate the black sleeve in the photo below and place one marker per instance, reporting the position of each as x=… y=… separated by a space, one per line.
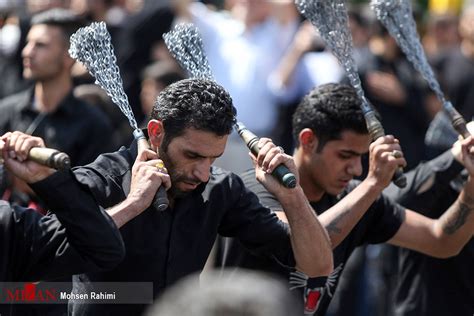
x=105 y=177
x=383 y=219
x=266 y=198
x=433 y=176
x=257 y=227
x=80 y=236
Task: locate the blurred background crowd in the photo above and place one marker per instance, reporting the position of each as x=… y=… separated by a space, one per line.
x=267 y=57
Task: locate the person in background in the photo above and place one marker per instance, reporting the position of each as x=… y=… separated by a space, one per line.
x=49 y=109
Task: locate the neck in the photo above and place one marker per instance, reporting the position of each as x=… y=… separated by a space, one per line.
x=311 y=190
x=50 y=93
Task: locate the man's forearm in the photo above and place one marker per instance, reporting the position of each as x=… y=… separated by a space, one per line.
x=123 y=212
x=340 y=219
x=456 y=225
x=310 y=242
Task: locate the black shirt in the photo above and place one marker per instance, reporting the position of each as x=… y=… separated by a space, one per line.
x=162 y=247
x=76 y=128
x=78 y=237
x=380 y=223
x=427 y=285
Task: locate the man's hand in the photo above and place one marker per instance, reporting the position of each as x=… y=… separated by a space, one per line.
x=467 y=154
x=456 y=149
x=385 y=156
x=269 y=157
x=15 y=147
x=148 y=174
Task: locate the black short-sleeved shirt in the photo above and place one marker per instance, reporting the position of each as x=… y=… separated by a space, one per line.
x=427 y=285
x=162 y=247
x=380 y=223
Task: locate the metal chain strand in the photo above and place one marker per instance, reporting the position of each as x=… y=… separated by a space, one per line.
x=92 y=46
x=330 y=18
x=397 y=17
x=186 y=46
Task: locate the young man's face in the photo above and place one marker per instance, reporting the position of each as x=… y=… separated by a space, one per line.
x=331 y=169
x=43 y=54
x=188 y=158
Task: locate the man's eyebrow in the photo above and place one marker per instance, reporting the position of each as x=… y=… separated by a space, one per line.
x=352 y=152
x=198 y=155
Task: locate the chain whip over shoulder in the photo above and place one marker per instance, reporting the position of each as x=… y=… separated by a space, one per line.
x=331 y=19
x=397 y=17
x=92 y=46
x=185 y=44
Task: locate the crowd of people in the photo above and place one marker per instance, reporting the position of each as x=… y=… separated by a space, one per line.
x=345 y=239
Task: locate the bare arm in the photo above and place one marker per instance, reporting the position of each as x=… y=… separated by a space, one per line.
x=310 y=242
x=340 y=219
x=447 y=235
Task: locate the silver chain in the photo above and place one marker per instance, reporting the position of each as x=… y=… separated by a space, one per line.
x=331 y=19
x=397 y=17
x=92 y=46
x=185 y=44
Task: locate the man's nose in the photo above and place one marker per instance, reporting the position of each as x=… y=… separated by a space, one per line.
x=202 y=169
x=355 y=167
x=27 y=50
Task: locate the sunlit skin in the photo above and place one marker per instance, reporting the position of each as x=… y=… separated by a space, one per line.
x=189 y=157
x=331 y=169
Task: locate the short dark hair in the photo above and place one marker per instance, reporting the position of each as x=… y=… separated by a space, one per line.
x=198 y=103
x=68 y=21
x=328 y=110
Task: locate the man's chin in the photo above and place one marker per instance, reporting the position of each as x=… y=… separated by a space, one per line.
x=336 y=190
x=179 y=191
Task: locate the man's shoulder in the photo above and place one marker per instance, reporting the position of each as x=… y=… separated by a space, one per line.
x=115 y=163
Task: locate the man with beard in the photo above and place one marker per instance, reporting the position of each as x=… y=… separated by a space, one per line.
x=188 y=130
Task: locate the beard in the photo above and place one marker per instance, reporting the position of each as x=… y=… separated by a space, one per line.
x=175 y=175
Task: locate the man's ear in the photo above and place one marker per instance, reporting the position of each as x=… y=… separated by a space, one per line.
x=308 y=140
x=156 y=133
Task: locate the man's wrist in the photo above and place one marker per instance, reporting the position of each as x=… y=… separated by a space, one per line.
x=290 y=196
x=373 y=185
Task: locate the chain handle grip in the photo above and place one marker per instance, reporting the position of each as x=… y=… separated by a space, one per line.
x=376 y=130
x=160 y=201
